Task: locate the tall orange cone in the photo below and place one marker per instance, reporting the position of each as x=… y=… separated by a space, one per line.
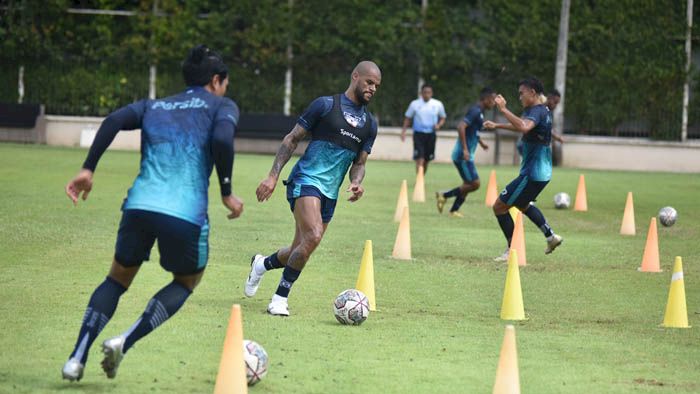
x=365 y=280
x=507 y=375
x=517 y=243
x=402 y=202
x=581 y=203
x=491 y=190
x=512 y=306
x=231 y=378
x=402 y=246
x=628 y=227
x=676 y=311
x=419 y=188
x=650 y=260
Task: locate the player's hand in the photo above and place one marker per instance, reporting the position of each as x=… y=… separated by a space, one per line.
x=357 y=190
x=403 y=135
x=489 y=125
x=82 y=183
x=500 y=102
x=484 y=146
x=234 y=204
x=466 y=155
x=265 y=189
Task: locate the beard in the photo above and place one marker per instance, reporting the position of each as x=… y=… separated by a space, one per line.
x=361 y=96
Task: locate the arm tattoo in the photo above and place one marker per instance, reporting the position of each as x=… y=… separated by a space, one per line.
x=289 y=145
x=357 y=171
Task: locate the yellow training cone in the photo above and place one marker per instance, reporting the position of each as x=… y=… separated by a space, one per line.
x=365 y=280
x=628 y=227
x=676 y=311
x=581 y=203
x=402 y=201
x=402 y=246
x=507 y=375
x=517 y=243
x=650 y=260
x=419 y=188
x=513 y=211
x=491 y=190
x=231 y=378
x=512 y=307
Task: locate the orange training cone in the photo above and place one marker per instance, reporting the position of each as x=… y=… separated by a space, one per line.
x=402 y=202
x=676 y=311
x=650 y=260
x=581 y=203
x=231 y=378
x=517 y=243
x=507 y=375
x=512 y=306
x=491 y=190
x=402 y=246
x=628 y=227
x=365 y=280
x=419 y=188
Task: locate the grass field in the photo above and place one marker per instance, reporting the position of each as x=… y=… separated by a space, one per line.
x=593 y=320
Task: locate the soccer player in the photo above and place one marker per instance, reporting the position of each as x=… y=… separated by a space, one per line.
x=182 y=138
x=535 y=167
x=342 y=133
x=427 y=115
x=553 y=99
x=464 y=152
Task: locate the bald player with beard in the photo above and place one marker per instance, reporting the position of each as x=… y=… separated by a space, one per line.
x=342 y=133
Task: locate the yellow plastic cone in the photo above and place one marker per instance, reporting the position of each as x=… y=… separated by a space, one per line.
x=402 y=201
x=231 y=378
x=402 y=246
x=513 y=211
x=419 y=188
x=491 y=190
x=512 y=307
x=650 y=260
x=676 y=311
x=628 y=227
x=507 y=375
x=581 y=203
x=365 y=280
x=517 y=243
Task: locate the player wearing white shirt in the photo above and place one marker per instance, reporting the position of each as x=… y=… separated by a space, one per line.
x=426 y=115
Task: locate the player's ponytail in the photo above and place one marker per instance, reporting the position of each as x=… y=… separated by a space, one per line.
x=201 y=65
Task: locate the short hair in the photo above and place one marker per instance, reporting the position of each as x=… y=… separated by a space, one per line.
x=554 y=93
x=532 y=83
x=485 y=93
x=201 y=65
x=426 y=85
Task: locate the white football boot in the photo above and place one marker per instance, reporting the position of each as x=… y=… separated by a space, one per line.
x=113 y=350
x=552 y=242
x=278 y=306
x=73 y=370
x=503 y=257
x=257 y=270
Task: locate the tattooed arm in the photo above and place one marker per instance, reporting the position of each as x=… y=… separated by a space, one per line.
x=289 y=145
x=357 y=174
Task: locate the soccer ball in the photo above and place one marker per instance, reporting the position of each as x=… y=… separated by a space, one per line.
x=255 y=359
x=562 y=201
x=351 y=307
x=668 y=216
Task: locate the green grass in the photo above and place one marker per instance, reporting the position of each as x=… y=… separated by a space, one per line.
x=593 y=320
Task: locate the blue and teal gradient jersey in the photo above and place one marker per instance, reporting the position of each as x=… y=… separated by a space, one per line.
x=176 y=158
x=324 y=164
x=537 y=151
x=475 y=122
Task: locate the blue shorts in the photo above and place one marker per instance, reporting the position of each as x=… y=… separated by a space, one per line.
x=467 y=170
x=521 y=191
x=295 y=191
x=183 y=246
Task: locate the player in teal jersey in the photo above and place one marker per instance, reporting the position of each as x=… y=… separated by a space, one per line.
x=182 y=138
x=536 y=165
x=342 y=133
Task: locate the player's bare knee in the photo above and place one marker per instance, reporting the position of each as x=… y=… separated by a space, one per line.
x=476 y=185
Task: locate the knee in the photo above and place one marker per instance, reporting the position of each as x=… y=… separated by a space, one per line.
x=476 y=184
x=499 y=208
x=313 y=238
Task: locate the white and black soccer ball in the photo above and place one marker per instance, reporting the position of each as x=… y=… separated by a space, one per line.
x=256 y=361
x=668 y=216
x=351 y=307
x=562 y=201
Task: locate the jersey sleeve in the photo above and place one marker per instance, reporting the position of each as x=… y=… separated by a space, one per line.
x=536 y=115
x=470 y=117
x=228 y=112
x=369 y=142
x=315 y=111
x=411 y=110
x=139 y=109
